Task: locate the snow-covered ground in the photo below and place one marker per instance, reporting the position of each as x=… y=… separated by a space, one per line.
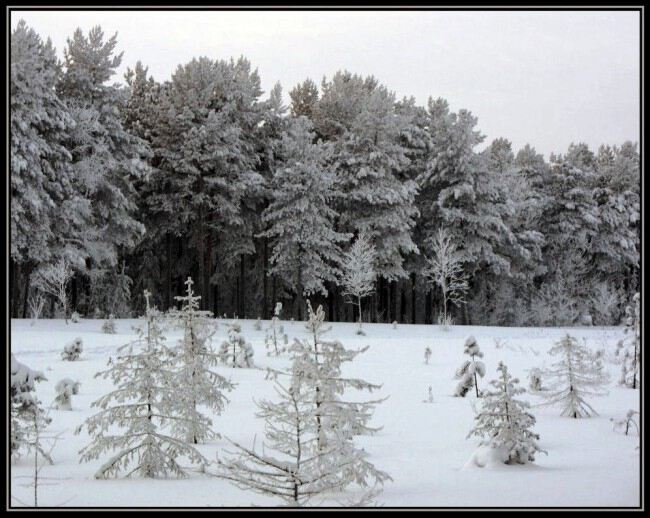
x=422 y=446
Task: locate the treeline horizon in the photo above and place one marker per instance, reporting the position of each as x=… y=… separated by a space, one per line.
x=141 y=185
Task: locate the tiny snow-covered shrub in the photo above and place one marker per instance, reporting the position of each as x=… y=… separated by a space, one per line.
x=258 y=324
x=235 y=351
x=75 y=317
x=65 y=388
x=445 y=321
x=429 y=396
x=427 y=354
x=108 y=326
x=73 y=350
x=626 y=424
x=470 y=369
x=535 y=380
x=275 y=333
x=394 y=324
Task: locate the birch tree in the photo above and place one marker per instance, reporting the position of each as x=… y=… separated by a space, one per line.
x=359 y=272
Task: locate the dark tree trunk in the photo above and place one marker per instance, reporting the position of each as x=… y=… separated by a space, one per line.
x=26 y=295
x=413 y=293
x=402 y=306
x=393 y=297
x=265 y=281
x=242 y=286
x=428 y=308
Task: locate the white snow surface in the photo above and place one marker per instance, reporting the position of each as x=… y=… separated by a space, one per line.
x=422 y=446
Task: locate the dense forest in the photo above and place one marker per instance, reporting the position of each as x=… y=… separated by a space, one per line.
x=141 y=184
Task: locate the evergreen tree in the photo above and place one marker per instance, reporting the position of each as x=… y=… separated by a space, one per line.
x=143 y=404
x=575 y=375
x=195 y=357
x=504 y=422
x=467 y=373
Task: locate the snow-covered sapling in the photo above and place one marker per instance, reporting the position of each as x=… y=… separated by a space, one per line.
x=236 y=352
x=147 y=397
x=394 y=324
x=72 y=351
x=504 y=422
x=629 y=349
x=429 y=396
x=65 y=388
x=359 y=273
x=53 y=279
x=75 y=317
x=427 y=354
x=628 y=423
x=275 y=333
x=258 y=324
x=445 y=270
x=470 y=369
x=535 y=380
x=36 y=304
x=576 y=374
x=195 y=358
x=108 y=326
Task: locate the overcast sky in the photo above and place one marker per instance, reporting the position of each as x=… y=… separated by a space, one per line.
x=547 y=78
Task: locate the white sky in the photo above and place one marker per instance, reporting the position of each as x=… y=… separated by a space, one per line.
x=548 y=78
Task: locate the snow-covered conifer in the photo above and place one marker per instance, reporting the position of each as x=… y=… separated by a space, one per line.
x=629 y=349
x=359 y=272
x=65 y=388
x=108 y=326
x=576 y=374
x=25 y=407
x=470 y=369
x=504 y=422
x=144 y=402
x=236 y=351
x=275 y=332
x=195 y=357
x=318 y=362
x=72 y=351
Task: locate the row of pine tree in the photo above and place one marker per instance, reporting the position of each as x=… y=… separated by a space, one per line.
x=142 y=184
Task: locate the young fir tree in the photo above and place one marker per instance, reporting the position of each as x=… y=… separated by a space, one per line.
x=25 y=411
x=290 y=466
x=143 y=404
x=630 y=347
x=470 y=369
x=195 y=357
x=275 y=332
x=575 y=375
x=337 y=421
x=504 y=422
x=359 y=272
x=236 y=352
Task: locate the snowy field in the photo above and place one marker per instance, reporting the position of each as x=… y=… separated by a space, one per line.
x=422 y=446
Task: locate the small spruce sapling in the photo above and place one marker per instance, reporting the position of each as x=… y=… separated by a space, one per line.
x=576 y=374
x=470 y=369
x=236 y=352
x=504 y=422
x=65 y=388
x=275 y=333
x=72 y=351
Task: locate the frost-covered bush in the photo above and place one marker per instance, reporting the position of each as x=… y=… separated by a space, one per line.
x=605 y=302
x=75 y=317
x=72 y=351
x=65 y=388
x=535 y=380
x=258 y=324
x=108 y=326
x=627 y=423
x=445 y=321
x=236 y=352
x=504 y=422
x=467 y=373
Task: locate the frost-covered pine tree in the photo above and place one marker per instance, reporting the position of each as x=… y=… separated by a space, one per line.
x=195 y=357
x=504 y=422
x=318 y=362
x=236 y=351
x=72 y=351
x=576 y=374
x=629 y=349
x=145 y=401
x=445 y=270
x=25 y=407
x=275 y=332
x=470 y=369
x=290 y=466
x=359 y=272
